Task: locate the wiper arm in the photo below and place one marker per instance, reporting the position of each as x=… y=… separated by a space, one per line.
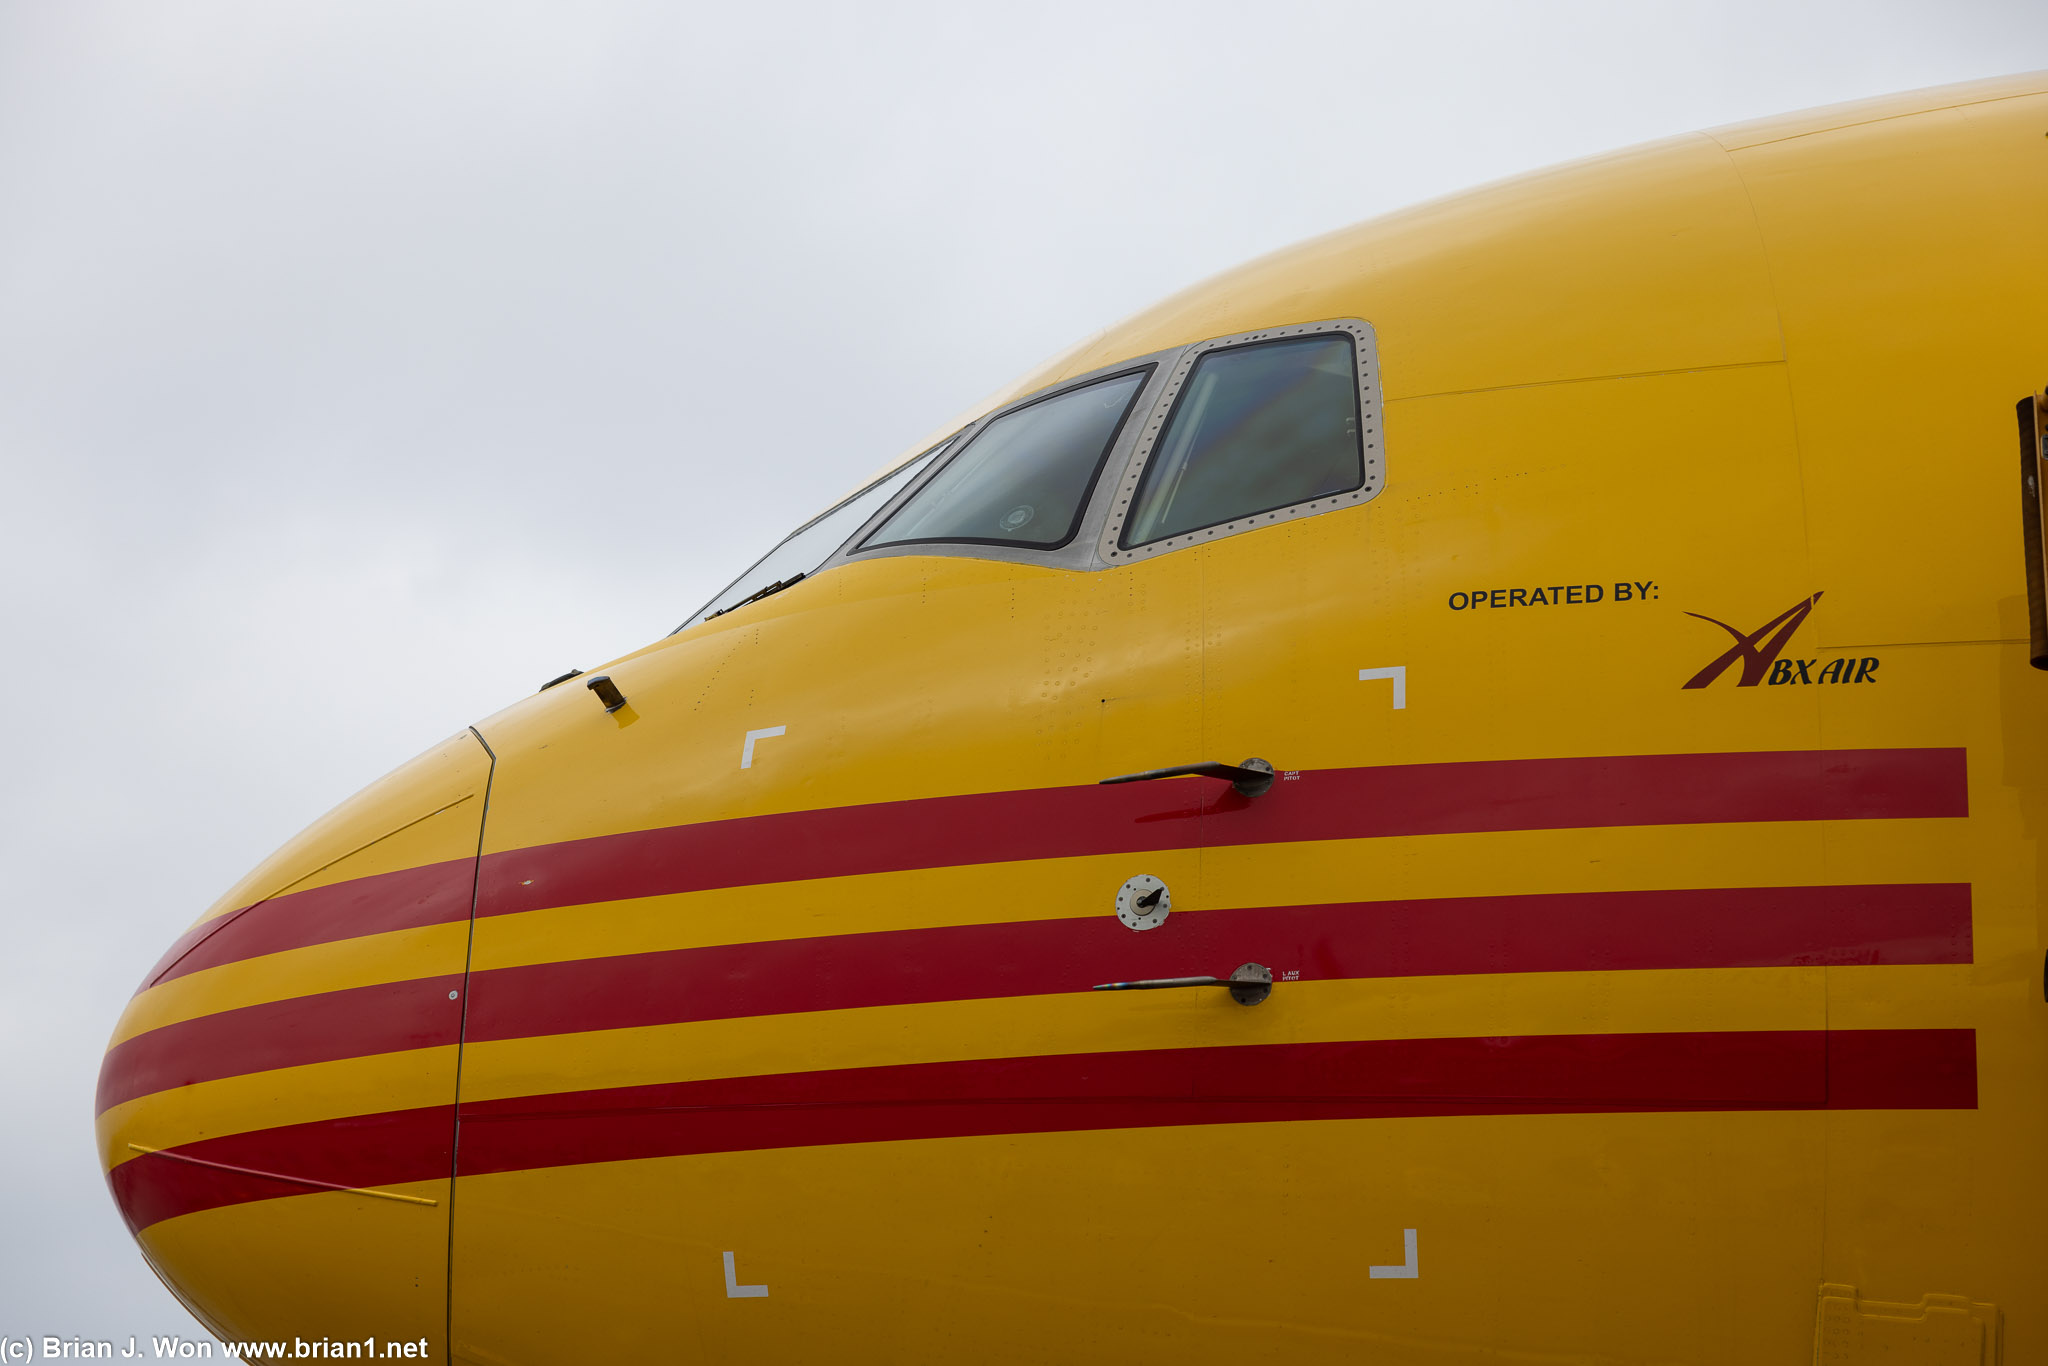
x=770 y=591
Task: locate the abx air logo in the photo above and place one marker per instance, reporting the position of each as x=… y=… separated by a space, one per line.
x=1757 y=651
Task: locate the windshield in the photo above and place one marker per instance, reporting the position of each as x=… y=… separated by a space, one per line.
x=811 y=544
x=1024 y=478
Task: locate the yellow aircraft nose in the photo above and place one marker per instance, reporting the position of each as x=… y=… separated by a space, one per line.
x=276 y=1108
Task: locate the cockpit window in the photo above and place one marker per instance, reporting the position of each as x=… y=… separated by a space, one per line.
x=1256 y=428
x=1024 y=478
x=811 y=544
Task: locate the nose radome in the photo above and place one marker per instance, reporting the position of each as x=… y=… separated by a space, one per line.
x=276 y=1107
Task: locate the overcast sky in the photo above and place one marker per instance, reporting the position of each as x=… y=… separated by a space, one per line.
x=363 y=365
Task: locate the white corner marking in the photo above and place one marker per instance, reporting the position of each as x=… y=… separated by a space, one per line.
x=1408 y=1271
x=735 y=1291
x=1399 y=674
x=747 y=750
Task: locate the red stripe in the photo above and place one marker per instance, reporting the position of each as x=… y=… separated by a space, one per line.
x=389 y=1017
x=1868 y=1069
x=433 y=894
x=362 y=1150
x=1357 y=803
x=1391 y=1078
x=1388 y=1078
x=1565 y=932
x=996 y=827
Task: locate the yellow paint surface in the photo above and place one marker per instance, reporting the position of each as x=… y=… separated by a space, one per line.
x=1729 y=371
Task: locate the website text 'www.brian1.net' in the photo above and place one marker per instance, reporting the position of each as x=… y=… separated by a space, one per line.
x=25 y=1349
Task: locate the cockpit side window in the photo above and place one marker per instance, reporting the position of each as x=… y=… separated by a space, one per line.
x=1255 y=428
x=1024 y=478
x=810 y=545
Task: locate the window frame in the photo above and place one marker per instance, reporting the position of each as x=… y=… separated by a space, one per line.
x=1141 y=400
x=1365 y=355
